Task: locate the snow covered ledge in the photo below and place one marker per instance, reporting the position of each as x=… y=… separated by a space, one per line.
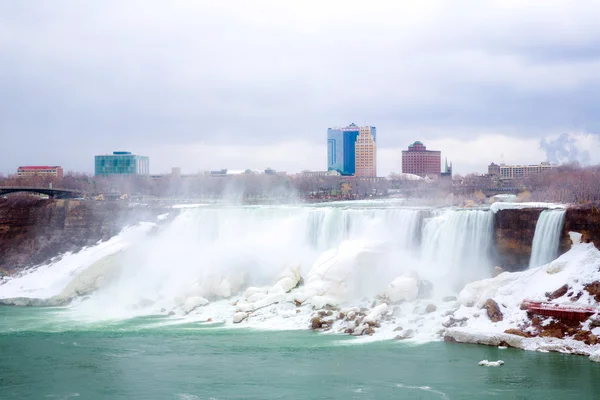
x=517 y=307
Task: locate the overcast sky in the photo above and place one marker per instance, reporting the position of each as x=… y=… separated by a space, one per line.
x=256 y=83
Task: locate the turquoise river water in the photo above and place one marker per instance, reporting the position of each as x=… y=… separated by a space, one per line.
x=44 y=355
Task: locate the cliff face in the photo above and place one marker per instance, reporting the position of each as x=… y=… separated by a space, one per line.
x=33 y=231
x=515 y=230
x=514 y=236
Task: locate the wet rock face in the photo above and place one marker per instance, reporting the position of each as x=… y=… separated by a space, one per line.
x=582 y=219
x=32 y=231
x=493 y=310
x=514 y=237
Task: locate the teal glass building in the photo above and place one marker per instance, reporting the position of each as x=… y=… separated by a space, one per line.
x=121 y=163
x=341 y=151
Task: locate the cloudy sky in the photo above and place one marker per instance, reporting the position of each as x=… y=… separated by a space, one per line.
x=256 y=83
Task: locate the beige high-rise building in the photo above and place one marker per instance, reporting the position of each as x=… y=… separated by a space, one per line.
x=366 y=153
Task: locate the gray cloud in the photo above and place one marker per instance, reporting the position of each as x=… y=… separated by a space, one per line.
x=564 y=149
x=80 y=78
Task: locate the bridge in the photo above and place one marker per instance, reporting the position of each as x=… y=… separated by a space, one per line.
x=52 y=193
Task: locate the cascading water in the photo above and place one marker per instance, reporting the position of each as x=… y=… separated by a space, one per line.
x=456 y=245
x=353 y=253
x=546 y=237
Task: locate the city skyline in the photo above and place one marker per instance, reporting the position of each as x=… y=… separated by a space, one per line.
x=82 y=78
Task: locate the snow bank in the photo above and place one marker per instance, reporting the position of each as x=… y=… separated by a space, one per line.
x=51 y=279
x=517 y=206
x=576 y=268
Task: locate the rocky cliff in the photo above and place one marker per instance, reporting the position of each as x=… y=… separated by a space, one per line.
x=514 y=230
x=32 y=231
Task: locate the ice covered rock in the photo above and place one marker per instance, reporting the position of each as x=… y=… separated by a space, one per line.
x=487 y=363
x=192 y=303
x=255 y=290
x=239 y=317
x=575 y=238
x=376 y=314
x=407 y=334
x=403 y=288
x=595 y=356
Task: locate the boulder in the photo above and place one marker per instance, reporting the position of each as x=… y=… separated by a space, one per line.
x=452 y=322
x=398 y=329
x=431 y=308
x=192 y=303
x=593 y=289
x=316 y=323
x=407 y=334
x=449 y=298
x=560 y=292
x=517 y=332
x=493 y=310
x=239 y=317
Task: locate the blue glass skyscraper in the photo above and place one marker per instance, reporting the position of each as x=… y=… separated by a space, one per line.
x=341 y=153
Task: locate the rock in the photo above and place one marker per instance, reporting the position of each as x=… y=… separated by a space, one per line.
x=493 y=310
x=425 y=289
x=341 y=315
x=517 y=332
x=592 y=340
x=593 y=289
x=163 y=310
x=192 y=303
x=297 y=303
x=349 y=330
x=594 y=323
x=315 y=323
x=239 y=317
x=322 y=313
x=209 y=320
x=351 y=315
x=407 y=334
x=449 y=299
x=430 y=308
x=369 y=331
x=171 y=313
x=359 y=330
x=560 y=292
x=452 y=322
x=398 y=329
x=449 y=339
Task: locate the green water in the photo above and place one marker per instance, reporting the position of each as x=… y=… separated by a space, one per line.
x=43 y=355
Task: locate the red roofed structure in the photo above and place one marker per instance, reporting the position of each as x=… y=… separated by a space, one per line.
x=40 y=170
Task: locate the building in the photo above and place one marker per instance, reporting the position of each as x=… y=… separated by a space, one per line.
x=341 y=148
x=447 y=173
x=122 y=163
x=417 y=160
x=507 y=172
x=55 y=172
x=365 y=154
x=320 y=174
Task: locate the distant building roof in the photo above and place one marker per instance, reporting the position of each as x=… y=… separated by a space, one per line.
x=39 y=167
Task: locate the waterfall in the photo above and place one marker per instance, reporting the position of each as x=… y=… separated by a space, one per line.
x=456 y=244
x=546 y=237
x=218 y=251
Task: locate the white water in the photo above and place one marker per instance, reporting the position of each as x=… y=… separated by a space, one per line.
x=346 y=255
x=546 y=238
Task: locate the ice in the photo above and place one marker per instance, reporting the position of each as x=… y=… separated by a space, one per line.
x=487 y=363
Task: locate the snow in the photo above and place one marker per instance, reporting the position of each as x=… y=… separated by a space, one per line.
x=51 y=279
x=576 y=268
x=518 y=206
